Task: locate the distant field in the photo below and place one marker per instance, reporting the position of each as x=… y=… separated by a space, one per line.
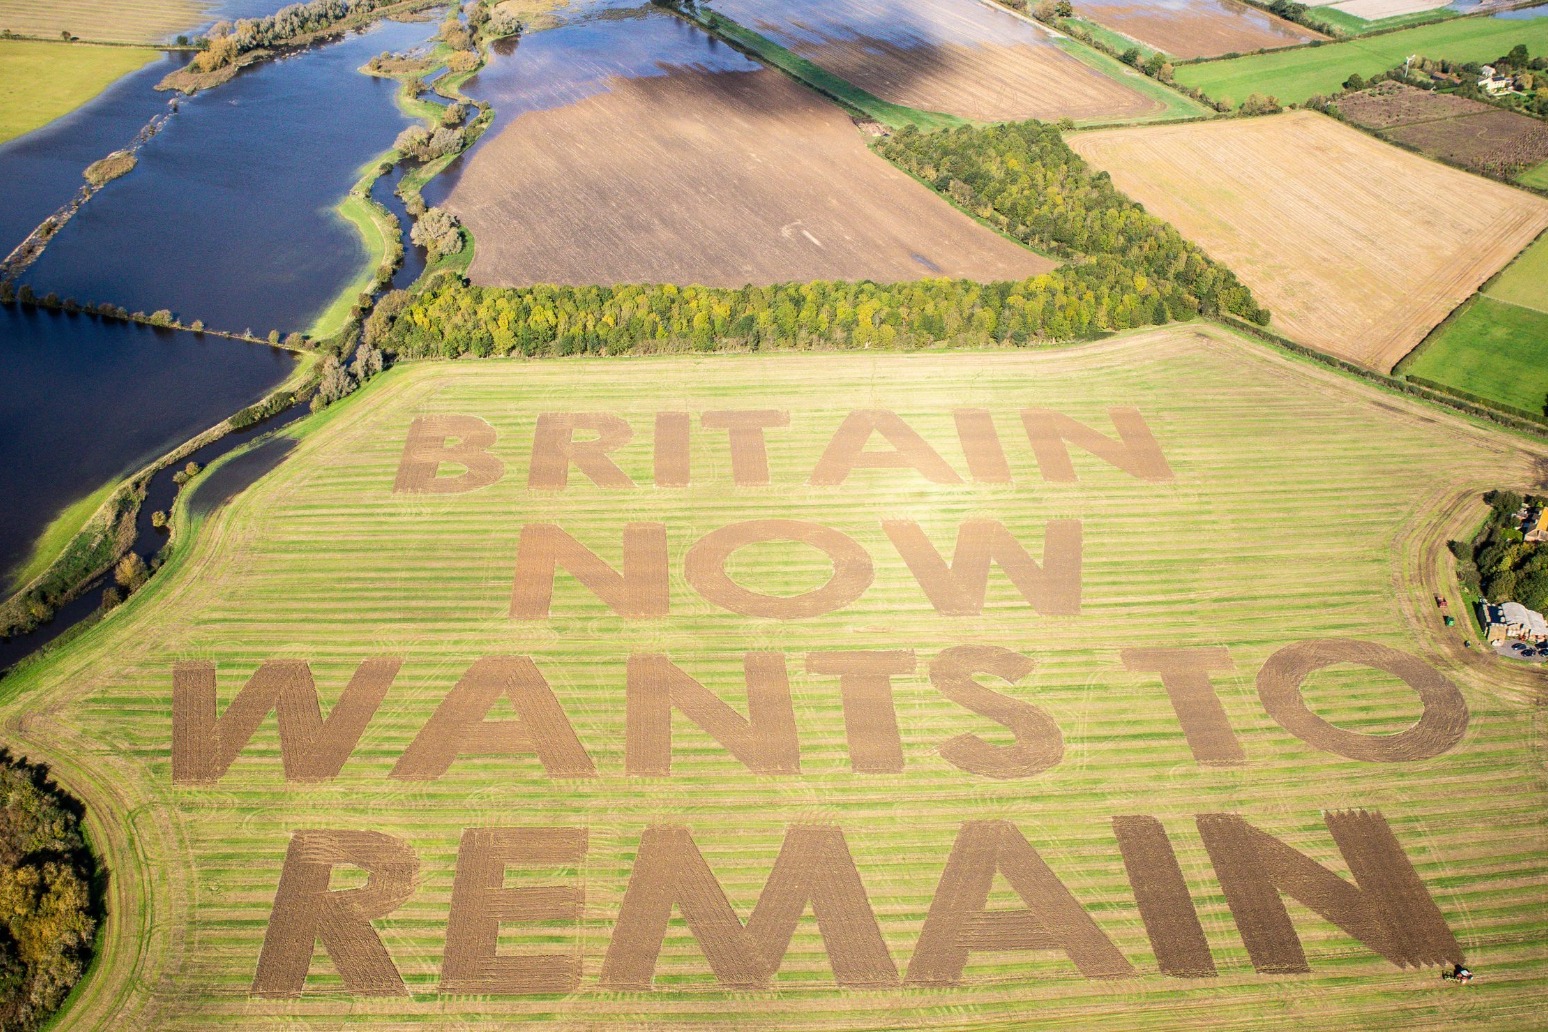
x=39 y=82
x=1287 y=505
x=960 y=57
x=1294 y=75
x=1197 y=28
x=1381 y=10
x=1475 y=135
x=1498 y=346
x=719 y=179
x=1537 y=177
x=114 y=21
x=1357 y=247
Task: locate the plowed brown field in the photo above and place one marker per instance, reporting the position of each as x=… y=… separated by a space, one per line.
x=717 y=179
x=956 y=56
x=1359 y=248
x=1197 y=28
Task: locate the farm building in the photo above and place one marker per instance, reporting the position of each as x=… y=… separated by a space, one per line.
x=1514 y=620
x=1535 y=526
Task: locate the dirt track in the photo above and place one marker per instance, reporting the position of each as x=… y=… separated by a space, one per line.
x=720 y=180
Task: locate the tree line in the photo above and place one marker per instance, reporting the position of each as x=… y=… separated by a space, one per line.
x=1499 y=564
x=48 y=912
x=1124 y=268
x=228 y=41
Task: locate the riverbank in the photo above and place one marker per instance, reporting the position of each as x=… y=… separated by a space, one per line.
x=44 y=81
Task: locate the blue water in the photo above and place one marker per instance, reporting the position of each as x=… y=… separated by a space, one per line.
x=1524 y=13
x=228 y=217
x=565 y=65
x=83 y=402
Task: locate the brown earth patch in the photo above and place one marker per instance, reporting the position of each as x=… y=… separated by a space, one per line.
x=1466 y=132
x=705 y=569
x=715 y=179
x=749 y=451
x=870 y=717
x=1394 y=103
x=1358 y=248
x=1171 y=920
x=1440 y=728
x=959 y=57
x=1201 y=28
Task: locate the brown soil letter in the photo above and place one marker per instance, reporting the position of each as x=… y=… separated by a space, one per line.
x=705 y=569
x=555 y=450
x=958 y=589
x=1171 y=920
x=765 y=742
x=1388 y=908
x=426 y=450
x=981 y=444
x=673 y=456
x=959 y=921
x=1439 y=728
x=845 y=453
x=814 y=868
x=1185 y=675
x=1039 y=744
x=481 y=903
x=870 y=719
x=749 y=455
x=312 y=749
x=1135 y=452
x=458 y=728
x=641 y=592
x=305 y=910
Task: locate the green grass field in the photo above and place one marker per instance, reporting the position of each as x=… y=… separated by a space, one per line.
x=1302 y=505
x=1535 y=177
x=1496 y=347
x=58 y=534
x=1360 y=26
x=39 y=82
x=1294 y=75
x=1493 y=349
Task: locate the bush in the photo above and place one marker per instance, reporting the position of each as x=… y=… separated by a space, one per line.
x=438 y=232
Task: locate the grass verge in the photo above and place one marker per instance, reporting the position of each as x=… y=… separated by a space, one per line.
x=58 y=534
x=1174 y=105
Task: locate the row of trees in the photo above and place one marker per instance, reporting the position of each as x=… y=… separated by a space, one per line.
x=1125 y=268
x=47 y=911
x=228 y=41
x=1023 y=179
x=1499 y=563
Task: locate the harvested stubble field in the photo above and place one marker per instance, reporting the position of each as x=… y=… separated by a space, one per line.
x=112 y=21
x=721 y=179
x=1197 y=28
x=960 y=57
x=1466 y=132
x=1285 y=504
x=1357 y=247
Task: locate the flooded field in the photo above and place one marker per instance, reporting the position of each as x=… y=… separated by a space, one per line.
x=228 y=217
x=960 y=57
x=1196 y=28
x=636 y=148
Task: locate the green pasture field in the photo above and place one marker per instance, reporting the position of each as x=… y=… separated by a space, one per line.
x=1535 y=177
x=39 y=82
x=1525 y=280
x=1491 y=348
x=1293 y=75
x=1301 y=505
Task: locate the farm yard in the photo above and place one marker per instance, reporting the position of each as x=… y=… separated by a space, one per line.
x=1196 y=28
x=111 y=21
x=961 y=57
x=1358 y=248
x=1292 y=76
x=720 y=179
x=324 y=562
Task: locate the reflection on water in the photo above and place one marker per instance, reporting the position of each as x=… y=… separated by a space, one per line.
x=798 y=23
x=228 y=216
x=83 y=402
x=565 y=65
